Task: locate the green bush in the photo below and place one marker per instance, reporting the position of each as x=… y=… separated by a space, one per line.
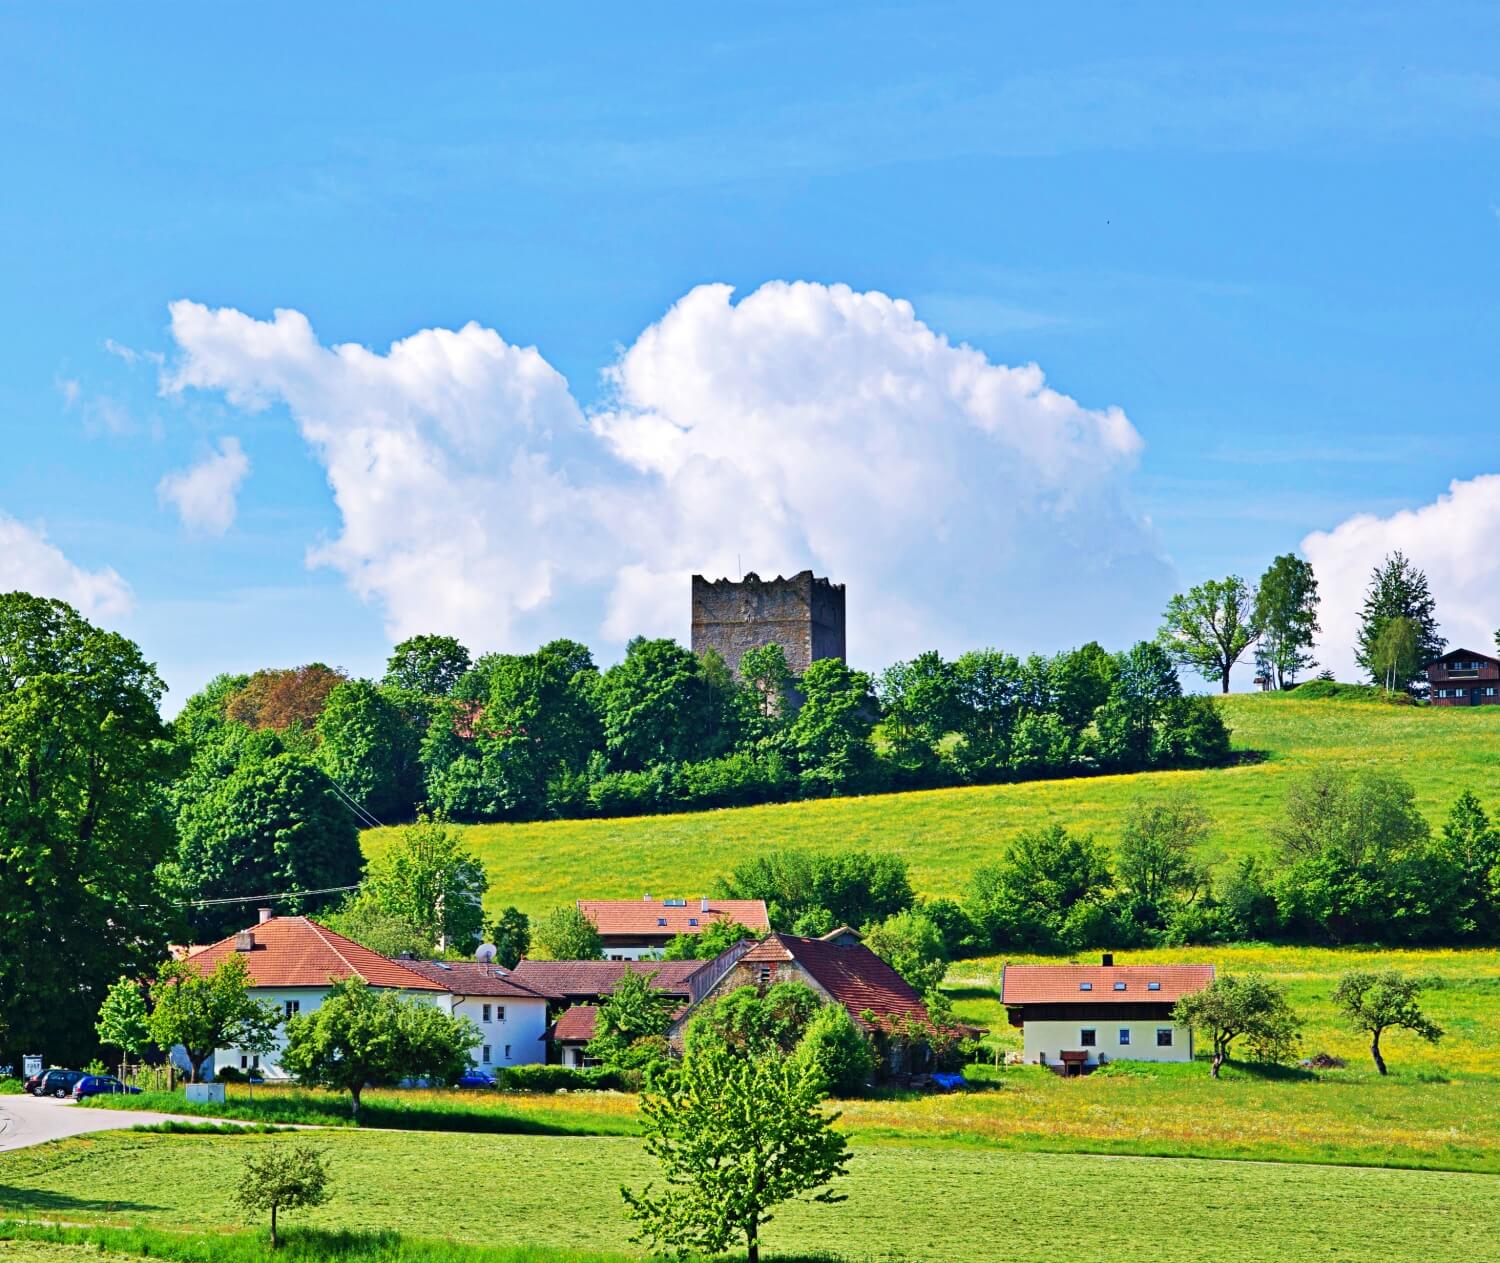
x=11 y=1087
x=538 y=1078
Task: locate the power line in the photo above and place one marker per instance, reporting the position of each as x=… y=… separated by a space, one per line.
x=285 y=894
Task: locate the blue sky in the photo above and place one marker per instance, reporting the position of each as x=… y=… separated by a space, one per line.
x=1268 y=238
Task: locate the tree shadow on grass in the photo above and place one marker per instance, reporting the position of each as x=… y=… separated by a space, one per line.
x=12 y=1198
x=975 y=992
x=1273 y=1073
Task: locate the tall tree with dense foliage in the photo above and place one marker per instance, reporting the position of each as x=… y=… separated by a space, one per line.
x=363 y=918
x=735 y=1137
x=1036 y=891
x=630 y=1024
x=566 y=934
x=1471 y=844
x=368 y=748
x=1143 y=691
x=1286 y=612
x=429 y=879
x=282 y=1177
x=84 y=823
x=510 y=935
x=1398 y=589
x=664 y=704
x=1374 y=1003
x=361 y=1037
x=1160 y=860
x=847 y=888
x=203 y=1012
x=1210 y=626
x=1247 y=1007
x=987 y=686
x=911 y=944
x=284 y=698
x=124 y=1021
x=920 y=701
x=715 y=937
x=1396 y=653
x=430 y=665
x=766 y=692
x=272 y=825
x=831 y=734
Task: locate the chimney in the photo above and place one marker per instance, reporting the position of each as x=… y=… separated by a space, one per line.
x=703 y=904
x=646 y=898
x=1109 y=959
x=244 y=941
x=265 y=915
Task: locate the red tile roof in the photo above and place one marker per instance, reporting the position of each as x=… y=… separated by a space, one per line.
x=853 y=975
x=656 y=918
x=1064 y=984
x=296 y=952
x=575 y=1026
x=469 y=977
x=589 y=978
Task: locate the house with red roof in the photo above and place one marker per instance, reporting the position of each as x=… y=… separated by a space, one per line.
x=293 y=962
x=839 y=968
x=638 y=929
x=1074 y=1017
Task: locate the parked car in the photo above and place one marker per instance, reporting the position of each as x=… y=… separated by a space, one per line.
x=58 y=1083
x=33 y=1083
x=101 y=1085
x=476 y=1079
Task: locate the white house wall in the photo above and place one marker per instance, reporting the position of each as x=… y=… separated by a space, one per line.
x=515 y=1039
x=1048 y=1040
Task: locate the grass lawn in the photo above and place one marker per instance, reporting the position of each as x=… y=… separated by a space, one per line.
x=944 y=834
x=904 y=1201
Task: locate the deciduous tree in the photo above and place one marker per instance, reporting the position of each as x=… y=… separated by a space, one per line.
x=206 y=1011
x=431 y=665
x=630 y=1024
x=284 y=698
x=511 y=936
x=663 y=704
x=368 y=748
x=123 y=1020
x=911 y=944
x=1245 y=1007
x=566 y=934
x=1160 y=857
x=1210 y=626
x=282 y=1177
x=1286 y=612
x=430 y=880
x=1378 y=1002
x=735 y=1138
x=84 y=824
x=831 y=734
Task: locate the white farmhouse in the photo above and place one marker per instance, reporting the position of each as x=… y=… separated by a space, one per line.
x=1074 y=1017
x=512 y=1018
x=293 y=962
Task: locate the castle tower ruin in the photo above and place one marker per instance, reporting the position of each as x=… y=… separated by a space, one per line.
x=803 y=614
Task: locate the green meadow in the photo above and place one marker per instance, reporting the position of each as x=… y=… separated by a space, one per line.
x=944 y=834
x=917 y=1202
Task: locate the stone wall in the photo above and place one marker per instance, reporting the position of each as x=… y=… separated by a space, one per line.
x=803 y=614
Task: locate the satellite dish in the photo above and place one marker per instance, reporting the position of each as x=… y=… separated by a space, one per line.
x=485 y=953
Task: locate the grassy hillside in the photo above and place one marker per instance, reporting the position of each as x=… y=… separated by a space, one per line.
x=917 y=1202
x=944 y=834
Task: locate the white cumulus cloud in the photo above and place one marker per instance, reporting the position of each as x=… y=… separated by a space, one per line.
x=1451 y=539
x=205 y=495
x=964 y=502
x=29 y=562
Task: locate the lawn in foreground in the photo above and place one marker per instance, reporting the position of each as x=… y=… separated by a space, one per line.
x=945 y=834
x=916 y=1202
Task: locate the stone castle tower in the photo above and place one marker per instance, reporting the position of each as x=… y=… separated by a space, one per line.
x=803 y=614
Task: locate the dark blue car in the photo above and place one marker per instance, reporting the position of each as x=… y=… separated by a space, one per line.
x=101 y=1085
x=476 y=1079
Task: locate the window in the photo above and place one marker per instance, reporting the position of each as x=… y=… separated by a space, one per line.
x=499 y=1013
x=1088 y=1039
x=661 y=920
x=692 y=920
x=1085 y=986
x=1153 y=986
x=486 y=1013
x=507 y=1052
x=486 y=1054
x=244 y=1062
x=293 y=1007
x=1163 y=1036
x=1119 y=986
x=765 y=974
x=1124 y=1037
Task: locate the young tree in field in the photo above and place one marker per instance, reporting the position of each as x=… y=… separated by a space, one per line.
x=1210 y=626
x=1286 y=612
x=911 y=944
x=123 y=1021
x=1248 y=1007
x=360 y=1037
x=206 y=1011
x=1378 y=1002
x=84 y=765
x=430 y=880
x=1396 y=653
x=566 y=934
x=1398 y=590
x=430 y=665
x=735 y=1137
x=282 y=1177
x=1160 y=857
x=511 y=936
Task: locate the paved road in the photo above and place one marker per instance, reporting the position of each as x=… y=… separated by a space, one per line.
x=29 y=1120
